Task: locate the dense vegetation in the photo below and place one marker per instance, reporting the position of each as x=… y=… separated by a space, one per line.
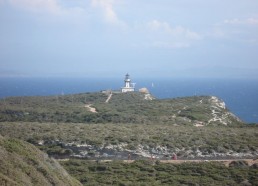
x=23 y=164
x=180 y=139
x=146 y=173
x=122 y=108
x=191 y=127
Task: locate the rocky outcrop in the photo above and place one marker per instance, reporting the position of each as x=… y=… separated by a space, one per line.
x=142 y=151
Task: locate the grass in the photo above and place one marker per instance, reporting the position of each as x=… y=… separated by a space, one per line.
x=146 y=173
x=23 y=164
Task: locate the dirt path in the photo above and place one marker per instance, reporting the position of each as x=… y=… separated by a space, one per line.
x=109 y=97
x=90 y=108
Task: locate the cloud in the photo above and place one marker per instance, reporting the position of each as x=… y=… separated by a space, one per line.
x=163 y=35
x=243 y=31
x=50 y=6
x=173 y=31
x=110 y=16
x=248 y=21
x=160 y=44
x=216 y=32
x=252 y=21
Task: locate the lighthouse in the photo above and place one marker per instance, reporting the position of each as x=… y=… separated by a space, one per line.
x=129 y=87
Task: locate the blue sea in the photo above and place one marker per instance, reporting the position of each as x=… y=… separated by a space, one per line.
x=240 y=96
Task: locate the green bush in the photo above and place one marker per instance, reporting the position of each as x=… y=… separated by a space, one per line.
x=146 y=173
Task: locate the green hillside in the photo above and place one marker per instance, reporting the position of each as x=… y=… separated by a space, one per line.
x=142 y=140
x=121 y=108
x=23 y=164
x=90 y=126
x=148 y=173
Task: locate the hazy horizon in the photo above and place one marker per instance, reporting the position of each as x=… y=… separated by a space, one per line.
x=108 y=38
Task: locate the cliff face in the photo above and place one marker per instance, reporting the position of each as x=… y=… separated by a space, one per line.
x=23 y=164
x=131 y=107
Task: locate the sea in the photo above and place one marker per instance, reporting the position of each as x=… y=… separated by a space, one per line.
x=240 y=95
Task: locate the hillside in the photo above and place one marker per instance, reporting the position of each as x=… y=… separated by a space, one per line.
x=23 y=164
x=110 y=126
x=121 y=108
x=116 y=141
x=154 y=173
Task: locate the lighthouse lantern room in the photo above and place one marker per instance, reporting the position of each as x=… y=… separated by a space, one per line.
x=129 y=87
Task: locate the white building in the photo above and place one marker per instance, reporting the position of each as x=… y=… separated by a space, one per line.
x=129 y=87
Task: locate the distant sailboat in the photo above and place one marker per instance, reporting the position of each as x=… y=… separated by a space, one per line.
x=152 y=85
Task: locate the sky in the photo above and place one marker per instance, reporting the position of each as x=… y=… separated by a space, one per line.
x=145 y=38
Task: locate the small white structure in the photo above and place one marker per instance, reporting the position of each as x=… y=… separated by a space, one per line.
x=129 y=87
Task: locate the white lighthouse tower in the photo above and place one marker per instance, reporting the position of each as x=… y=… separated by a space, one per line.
x=129 y=87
